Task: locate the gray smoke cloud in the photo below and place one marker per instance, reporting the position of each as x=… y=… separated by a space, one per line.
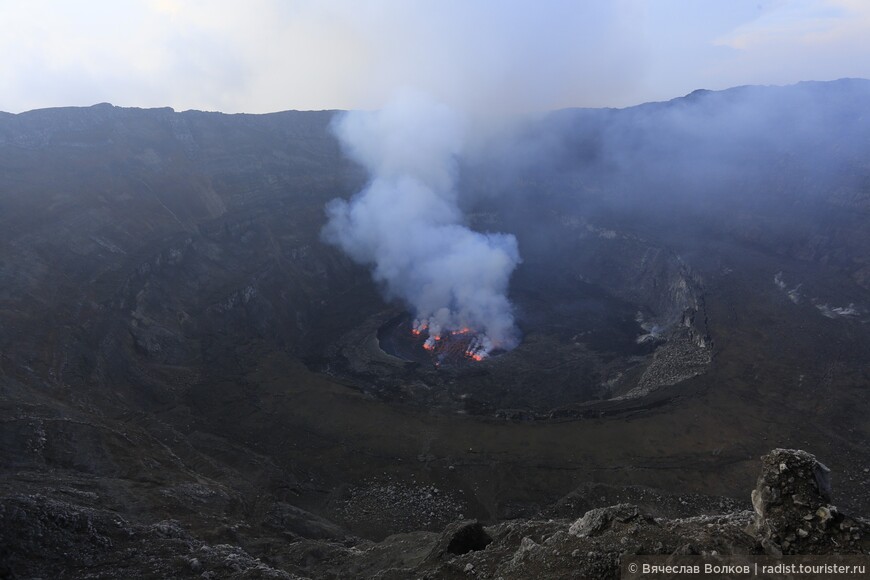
x=491 y=62
x=406 y=223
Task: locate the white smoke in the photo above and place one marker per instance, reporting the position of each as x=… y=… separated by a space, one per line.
x=406 y=223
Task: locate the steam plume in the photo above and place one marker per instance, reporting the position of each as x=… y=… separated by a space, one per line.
x=406 y=223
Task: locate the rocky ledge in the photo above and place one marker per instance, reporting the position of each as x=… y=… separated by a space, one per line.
x=46 y=537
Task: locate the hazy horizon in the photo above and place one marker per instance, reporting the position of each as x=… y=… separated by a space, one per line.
x=664 y=100
x=482 y=56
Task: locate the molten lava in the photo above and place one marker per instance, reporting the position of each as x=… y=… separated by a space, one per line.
x=452 y=345
x=425 y=341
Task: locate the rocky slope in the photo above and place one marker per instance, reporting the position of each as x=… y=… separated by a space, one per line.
x=51 y=537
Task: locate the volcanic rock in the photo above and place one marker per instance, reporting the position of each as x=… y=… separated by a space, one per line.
x=597 y=520
x=460 y=538
x=793 y=513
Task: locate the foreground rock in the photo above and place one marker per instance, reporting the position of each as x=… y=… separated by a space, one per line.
x=793 y=510
x=45 y=537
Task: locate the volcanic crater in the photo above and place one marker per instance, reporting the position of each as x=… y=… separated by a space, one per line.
x=592 y=338
x=177 y=343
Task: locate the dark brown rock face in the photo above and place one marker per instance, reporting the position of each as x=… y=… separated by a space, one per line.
x=793 y=510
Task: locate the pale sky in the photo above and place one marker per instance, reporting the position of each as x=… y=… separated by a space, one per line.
x=260 y=56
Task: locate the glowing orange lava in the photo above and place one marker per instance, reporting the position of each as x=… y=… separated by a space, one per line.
x=452 y=344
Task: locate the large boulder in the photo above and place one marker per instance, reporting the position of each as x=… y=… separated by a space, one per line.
x=793 y=513
x=597 y=520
